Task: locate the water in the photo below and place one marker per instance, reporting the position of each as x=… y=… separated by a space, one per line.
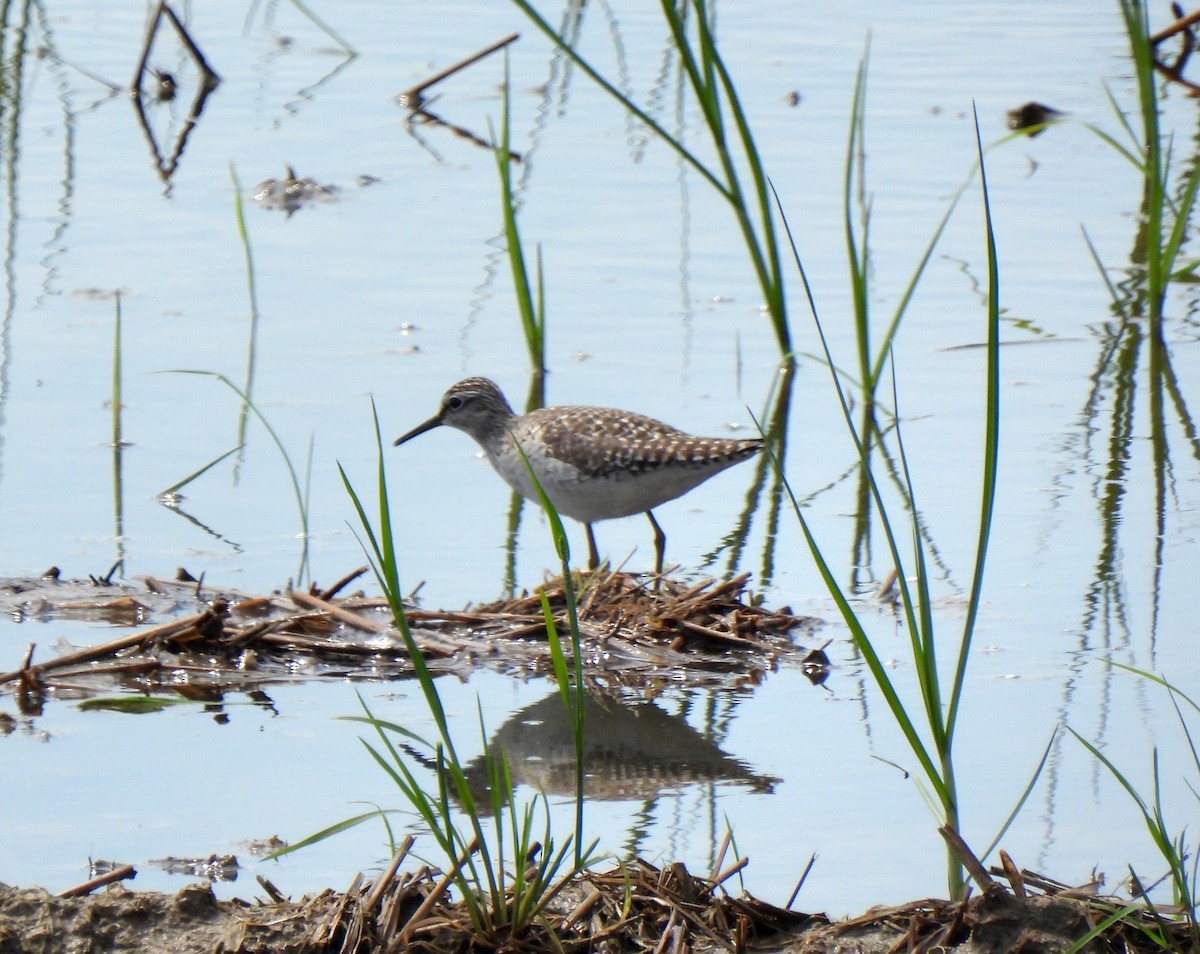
x=398 y=289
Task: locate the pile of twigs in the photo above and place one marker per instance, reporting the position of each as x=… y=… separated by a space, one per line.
x=632 y=628
x=637 y=907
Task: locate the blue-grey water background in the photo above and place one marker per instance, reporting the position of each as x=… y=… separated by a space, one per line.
x=399 y=287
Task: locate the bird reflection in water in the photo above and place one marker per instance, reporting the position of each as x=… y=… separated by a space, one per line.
x=632 y=752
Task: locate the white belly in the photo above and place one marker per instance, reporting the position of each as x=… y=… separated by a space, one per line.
x=587 y=498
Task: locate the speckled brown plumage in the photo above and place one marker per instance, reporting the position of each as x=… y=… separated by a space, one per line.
x=602 y=441
x=594 y=463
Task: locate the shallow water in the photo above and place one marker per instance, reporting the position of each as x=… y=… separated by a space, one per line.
x=397 y=289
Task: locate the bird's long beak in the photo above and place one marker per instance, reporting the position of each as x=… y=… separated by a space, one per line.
x=435 y=421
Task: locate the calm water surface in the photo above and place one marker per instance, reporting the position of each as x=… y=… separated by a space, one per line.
x=398 y=288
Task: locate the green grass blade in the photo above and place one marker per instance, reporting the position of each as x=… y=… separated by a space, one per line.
x=763 y=243
x=557 y=658
x=297 y=490
x=863 y=643
x=889 y=334
x=574 y=696
x=1137 y=27
x=116 y=373
x=857 y=254
x=118 y=440
x=384 y=554
x=530 y=308
x=659 y=131
x=378 y=723
x=345 y=825
x=1012 y=816
x=1136 y=152
x=907 y=602
x=991 y=446
x=709 y=82
x=708 y=78
x=921 y=637
x=1183 y=215
x=180 y=484
x=1113 y=294
x=697 y=73
x=243 y=232
x=1119 y=914
x=1157 y=834
x=325 y=28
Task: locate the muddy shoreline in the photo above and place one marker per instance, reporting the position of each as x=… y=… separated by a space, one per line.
x=637 y=908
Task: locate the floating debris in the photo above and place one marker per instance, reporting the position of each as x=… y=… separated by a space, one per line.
x=1034 y=117
x=165 y=87
x=290 y=194
x=213 y=868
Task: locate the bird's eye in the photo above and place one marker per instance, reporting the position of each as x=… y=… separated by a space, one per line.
x=454 y=403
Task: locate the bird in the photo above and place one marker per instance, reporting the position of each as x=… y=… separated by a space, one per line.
x=594 y=463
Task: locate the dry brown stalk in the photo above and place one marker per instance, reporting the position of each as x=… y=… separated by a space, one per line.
x=110 y=648
x=413 y=96
x=335 y=917
x=581 y=910
x=1012 y=874
x=1177 y=27
x=668 y=933
x=435 y=895
x=371 y=901
x=331 y=592
x=730 y=872
x=87 y=887
x=715 y=635
x=350 y=619
x=979 y=874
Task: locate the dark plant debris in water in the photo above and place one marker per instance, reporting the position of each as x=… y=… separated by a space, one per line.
x=635 y=907
x=1033 y=117
x=190 y=642
x=292 y=193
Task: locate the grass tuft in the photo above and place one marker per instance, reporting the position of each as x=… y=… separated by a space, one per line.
x=1178 y=851
x=502 y=858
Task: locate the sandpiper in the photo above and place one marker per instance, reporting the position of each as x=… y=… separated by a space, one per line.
x=594 y=463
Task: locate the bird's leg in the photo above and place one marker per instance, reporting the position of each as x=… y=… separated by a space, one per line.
x=593 y=554
x=660 y=544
